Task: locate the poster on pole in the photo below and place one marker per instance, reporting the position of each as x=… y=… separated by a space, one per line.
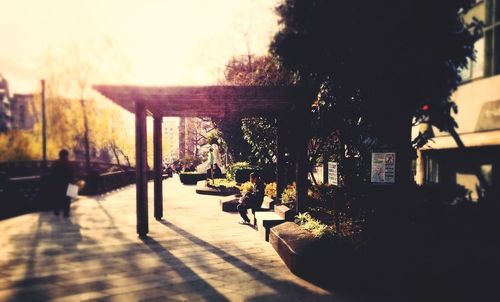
x=383 y=167
x=333 y=173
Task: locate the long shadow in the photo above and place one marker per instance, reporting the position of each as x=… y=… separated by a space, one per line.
x=278 y=285
x=183 y=270
x=25 y=288
x=194 y=285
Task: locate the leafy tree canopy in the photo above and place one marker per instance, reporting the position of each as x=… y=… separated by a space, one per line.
x=396 y=55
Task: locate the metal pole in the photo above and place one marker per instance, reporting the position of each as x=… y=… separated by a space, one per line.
x=44 y=130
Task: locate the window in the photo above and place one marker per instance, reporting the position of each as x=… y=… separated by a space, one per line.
x=492 y=35
x=475 y=69
x=487 y=48
x=432 y=171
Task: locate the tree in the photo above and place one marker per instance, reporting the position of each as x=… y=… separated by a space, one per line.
x=231 y=133
x=72 y=70
x=393 y=56
x=259 y=133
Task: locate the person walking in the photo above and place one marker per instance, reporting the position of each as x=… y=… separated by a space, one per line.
x=61 y=175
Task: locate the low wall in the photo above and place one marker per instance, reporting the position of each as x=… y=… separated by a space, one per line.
x=20 y=195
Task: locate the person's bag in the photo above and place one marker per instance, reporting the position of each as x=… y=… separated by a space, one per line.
x=72 y=191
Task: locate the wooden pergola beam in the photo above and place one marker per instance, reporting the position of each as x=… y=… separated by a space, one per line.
x=209 y=101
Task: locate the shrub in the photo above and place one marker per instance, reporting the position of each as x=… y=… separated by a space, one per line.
x=322 y=192
x=231 y=170
x=242 y=175
x=317 y=228
x=288 y=197
x=270 y=190
x=222 y=183
x=346 y=227
x=246 y=187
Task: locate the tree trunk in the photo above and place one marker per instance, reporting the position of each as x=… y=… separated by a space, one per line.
x=113 y=148
x=86 y=136
x=125 y=156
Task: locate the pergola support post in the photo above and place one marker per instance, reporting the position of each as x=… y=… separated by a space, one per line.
x=141 y=169
x=280 y=158
x=158 y=166
x=302 y=157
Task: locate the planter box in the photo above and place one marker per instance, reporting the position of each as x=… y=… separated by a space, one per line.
x=191 y=178
x=229 y=203
x=315 y=259
x=202 y=188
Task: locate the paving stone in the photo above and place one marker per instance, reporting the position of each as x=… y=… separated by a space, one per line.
x=197 y=253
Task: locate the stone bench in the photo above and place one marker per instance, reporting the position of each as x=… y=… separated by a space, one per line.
x=265 y=220
x=267 y=205
x=229 y=203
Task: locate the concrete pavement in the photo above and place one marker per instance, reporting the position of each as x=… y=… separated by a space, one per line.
x=196 y=253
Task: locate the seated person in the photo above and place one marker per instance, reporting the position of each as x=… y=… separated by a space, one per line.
x=252 y=199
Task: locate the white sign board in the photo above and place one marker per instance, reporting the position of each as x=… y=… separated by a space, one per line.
x=383 y=167
x=332 y=173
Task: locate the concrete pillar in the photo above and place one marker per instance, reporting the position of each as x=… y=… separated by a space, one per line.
x=141 y=169
x=301 y=135
x=280 y=156
x=158 y=166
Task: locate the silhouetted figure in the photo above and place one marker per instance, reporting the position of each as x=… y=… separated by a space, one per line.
x=170 y=171
x=252 y=199
x=61 y=174
x=217 y=171
x=214 y=172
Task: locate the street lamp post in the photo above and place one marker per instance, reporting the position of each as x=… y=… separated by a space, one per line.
x=44 y=130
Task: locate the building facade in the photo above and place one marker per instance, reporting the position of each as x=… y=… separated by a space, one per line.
x=192 y=135
x=171 y=138
x=5 y=112
x=478 y=118
x=23 y=114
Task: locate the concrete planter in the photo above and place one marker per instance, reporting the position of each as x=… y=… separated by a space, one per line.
x=191 y=178
x=285 y=212
x=320 y=260
x=202 y=188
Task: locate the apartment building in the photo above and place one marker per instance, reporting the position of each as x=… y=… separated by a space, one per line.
x=478 y=117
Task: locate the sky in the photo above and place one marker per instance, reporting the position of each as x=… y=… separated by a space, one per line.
x=164 y=42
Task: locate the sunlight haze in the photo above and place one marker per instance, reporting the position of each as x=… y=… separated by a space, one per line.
x=163 y=42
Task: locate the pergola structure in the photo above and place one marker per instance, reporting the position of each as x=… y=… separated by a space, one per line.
x=288 y=104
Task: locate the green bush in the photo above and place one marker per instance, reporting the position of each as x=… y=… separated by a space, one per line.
x=314 y=226
x=289 y=196
x=222 y=183
x=231 y=170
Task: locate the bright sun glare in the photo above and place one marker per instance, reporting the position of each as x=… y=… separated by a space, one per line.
x=164 y=42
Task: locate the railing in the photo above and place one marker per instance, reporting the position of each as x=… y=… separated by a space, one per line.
x=35 y=167
x=22 y=195
x=26 y=194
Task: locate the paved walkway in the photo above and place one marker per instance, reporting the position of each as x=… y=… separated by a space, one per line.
x=197 y=253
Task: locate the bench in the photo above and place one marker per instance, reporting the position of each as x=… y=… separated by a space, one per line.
x=229 y=203
x=265 y=221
